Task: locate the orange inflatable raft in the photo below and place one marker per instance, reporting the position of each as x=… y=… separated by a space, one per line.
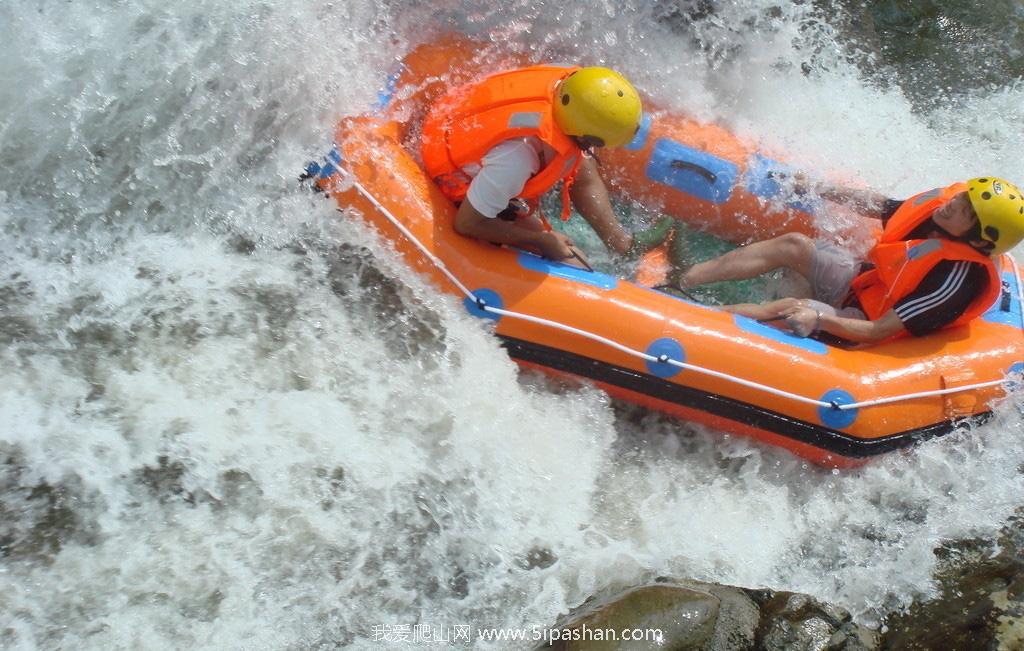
x=834 y=405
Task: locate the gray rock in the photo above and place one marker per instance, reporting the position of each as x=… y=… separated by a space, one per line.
x=685 y=616
x=812 y=634
x=980 y=598
x=837 y=642
x=694 y=615
x=860 y=638
x=796 y=607
x=835 y=615
x=738 y=618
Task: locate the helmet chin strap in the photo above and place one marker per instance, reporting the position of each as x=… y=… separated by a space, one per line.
x=588 y=143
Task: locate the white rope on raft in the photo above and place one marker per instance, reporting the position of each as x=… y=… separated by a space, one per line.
x=663 y=359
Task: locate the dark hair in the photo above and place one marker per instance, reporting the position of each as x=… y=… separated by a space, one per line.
x=974 y=238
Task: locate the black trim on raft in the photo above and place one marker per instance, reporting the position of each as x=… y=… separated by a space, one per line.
x=819 y=436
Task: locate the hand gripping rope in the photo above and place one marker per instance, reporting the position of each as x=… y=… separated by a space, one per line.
x=665 y=359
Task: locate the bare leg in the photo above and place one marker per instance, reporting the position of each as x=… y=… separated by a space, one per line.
x=792 y=250
x=531 y=222
x=590 y=196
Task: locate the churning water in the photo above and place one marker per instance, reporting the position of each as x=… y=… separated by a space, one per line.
x=229 y=418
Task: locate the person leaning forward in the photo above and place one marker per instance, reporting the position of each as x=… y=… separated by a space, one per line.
x=935 y=265
x=496 y=146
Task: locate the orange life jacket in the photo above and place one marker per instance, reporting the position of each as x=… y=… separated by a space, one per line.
x=901 y=264
x=467 y=123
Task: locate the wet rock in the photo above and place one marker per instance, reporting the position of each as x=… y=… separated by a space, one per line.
x=329 y=485
x=165 y=482
x=538 y=558
x=710 y=617
x=863 y=639
x=980 y=604
x=239 y=491
x=163 y=479
x=417 y=333
x=241 y=244
x=38 y=518
x=798 y=621
x=685 y=616
x=737 y=621
x=812 y=634
x=17 y=328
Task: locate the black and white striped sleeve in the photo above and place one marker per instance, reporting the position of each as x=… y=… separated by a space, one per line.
x=943 y=295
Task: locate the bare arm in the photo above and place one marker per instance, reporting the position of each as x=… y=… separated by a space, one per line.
x=590 y=196
x=861 y=330
x=865 y=201
x=803 y=320
x=471 y=223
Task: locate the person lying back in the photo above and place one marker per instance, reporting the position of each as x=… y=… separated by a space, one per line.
x=934 y=266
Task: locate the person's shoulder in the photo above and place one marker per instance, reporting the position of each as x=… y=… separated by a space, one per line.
x=517 y=156
x=970 y=266
x=962 y=267
x=517 y=147
x=956 y=280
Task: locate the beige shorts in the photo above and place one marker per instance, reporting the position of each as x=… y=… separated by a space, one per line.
x=832 y=270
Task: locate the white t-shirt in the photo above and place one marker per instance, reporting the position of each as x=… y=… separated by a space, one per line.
x=503 y=174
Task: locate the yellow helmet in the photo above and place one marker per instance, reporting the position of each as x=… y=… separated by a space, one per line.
x=1000 y=209
x=599 y=103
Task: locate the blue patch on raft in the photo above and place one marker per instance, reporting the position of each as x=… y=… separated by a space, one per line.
x=1012 y=315
x=753 y=327
x=324 y=171
x=692 y=171
x=761 y=180
x=570 y=272
x=386 y=94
